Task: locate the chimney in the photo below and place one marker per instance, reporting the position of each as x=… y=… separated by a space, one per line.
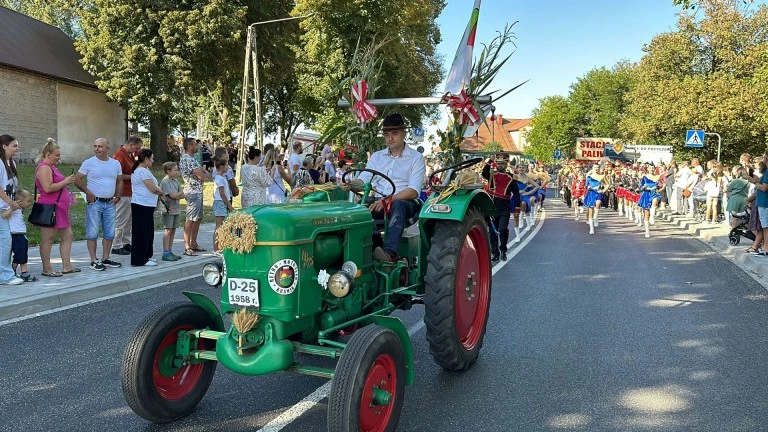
x=500 y=119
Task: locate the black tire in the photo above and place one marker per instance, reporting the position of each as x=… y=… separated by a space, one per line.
x=154 y=397
x=734 y=239
x=371 y=351
x=446 y=345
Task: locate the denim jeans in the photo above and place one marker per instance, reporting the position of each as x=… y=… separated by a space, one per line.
x=100 y=215
x=6 y=271
x=400 y=212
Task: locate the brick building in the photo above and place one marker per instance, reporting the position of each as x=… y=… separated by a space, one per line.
x=45 y=92
x=509 y=133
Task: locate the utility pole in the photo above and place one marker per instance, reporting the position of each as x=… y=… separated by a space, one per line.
x=719 y=142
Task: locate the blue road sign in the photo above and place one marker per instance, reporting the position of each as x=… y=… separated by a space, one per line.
x=694 y=138
x=418 y=132
x=558 y=154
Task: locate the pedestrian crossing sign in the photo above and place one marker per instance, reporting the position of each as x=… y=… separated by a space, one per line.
x=694 y=138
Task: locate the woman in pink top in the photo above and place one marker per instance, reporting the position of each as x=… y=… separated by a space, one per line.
x=52 y=188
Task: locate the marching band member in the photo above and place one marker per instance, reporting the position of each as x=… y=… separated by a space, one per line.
x=649 y=199
x=528 y=189
x=501 y=186
x=578 y=191
x=594 y=197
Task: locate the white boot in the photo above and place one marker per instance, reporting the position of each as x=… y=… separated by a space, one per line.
x=597 y=210
x=581 y=209
x=523 y=223
x=640 y=217
x=517 y=235
x=591 y=226
x=653 y=216
x=621 y=209
x=576 y=212
x=647 y=233
x=629 y=213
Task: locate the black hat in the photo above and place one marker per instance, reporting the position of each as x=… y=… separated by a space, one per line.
x=393 y=122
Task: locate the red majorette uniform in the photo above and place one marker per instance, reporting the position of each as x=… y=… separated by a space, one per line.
x=502 y=187
x=578 y=191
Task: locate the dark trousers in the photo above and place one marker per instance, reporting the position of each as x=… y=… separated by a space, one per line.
x=500 y=235
x=142 y=233
x=567 y=196
x=399 y=214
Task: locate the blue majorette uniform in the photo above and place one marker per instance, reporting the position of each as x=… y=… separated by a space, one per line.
x=593 y=185
x=650 y=193
x=525 y=188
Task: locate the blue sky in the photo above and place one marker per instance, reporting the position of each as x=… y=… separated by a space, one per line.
x=557 y=41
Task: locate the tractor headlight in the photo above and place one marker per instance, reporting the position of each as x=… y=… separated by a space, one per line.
x=340 y=284
x=212 y=274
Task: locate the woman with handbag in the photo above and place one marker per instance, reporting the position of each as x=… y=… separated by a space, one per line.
x=52 y=187
x=276 y=190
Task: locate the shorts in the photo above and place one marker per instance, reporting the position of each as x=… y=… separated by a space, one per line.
x=194 y=207
x=220 y=209
x=763 y=216
x=100 y=215
x=19 y=247
x=170 y=221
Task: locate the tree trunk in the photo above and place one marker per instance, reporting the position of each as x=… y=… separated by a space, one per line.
x=158 y=130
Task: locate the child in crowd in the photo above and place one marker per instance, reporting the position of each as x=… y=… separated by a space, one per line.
x=19 y=242
x=222 y=198
x=171 y=195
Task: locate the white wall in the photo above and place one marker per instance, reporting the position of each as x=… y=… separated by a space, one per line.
x=84 y=115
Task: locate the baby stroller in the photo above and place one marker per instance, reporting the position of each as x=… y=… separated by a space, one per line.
x=742 y=229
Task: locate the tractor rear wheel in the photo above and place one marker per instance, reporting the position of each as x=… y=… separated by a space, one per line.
x=157 y=384
x=369 y=384
x=458 y=291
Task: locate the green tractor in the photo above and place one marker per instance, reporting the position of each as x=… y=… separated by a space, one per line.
x=307 y=280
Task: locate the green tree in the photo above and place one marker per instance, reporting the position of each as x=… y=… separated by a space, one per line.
x=555 y=123
x=706 y=75
x=599 y=98
x=410 y=67
x=63 y=14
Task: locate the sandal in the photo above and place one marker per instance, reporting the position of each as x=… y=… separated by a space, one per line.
x=190 y=252
x=29 y=278
x=73 y=270
x=52 y=273
x=197 y=248
x=750 y=250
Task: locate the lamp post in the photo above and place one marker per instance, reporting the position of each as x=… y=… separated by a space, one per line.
x=719 y=141
x=251 y=60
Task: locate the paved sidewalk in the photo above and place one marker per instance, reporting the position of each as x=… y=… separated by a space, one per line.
x=49 y=293
x=716 y=236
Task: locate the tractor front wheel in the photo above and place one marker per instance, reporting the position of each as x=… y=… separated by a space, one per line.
x=369 y=384
x=157 y=383
x=458 y=291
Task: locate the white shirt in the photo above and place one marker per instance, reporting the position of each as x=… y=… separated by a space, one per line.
x=330 y=169
x=295 y=159
x=712 y=188
x=102 y=176
x=407 y=171
x=682 y=177
x=218 y=182
x=17 y=222
x=4 y=182
x=141 y=193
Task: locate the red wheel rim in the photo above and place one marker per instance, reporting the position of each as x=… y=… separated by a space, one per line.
x=472 y=288
x=375 y=418
x=184 y=380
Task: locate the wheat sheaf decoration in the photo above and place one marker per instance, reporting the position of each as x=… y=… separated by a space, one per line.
x=237 y=233
x=243 y=321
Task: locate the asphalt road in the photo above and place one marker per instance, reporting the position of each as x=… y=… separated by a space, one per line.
x=609 y=332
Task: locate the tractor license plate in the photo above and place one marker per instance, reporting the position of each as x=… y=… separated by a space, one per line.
x=243 y=292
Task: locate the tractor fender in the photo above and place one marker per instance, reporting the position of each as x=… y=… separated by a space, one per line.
x=397 y=326
x=459 y=203
x=208 y=306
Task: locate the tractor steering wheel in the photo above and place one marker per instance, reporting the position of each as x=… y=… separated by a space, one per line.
x=368 y=187
x=453 y=169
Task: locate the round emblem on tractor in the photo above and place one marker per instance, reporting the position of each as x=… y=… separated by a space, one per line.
x=284 y=276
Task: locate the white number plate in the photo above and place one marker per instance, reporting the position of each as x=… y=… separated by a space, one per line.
x=243 y=292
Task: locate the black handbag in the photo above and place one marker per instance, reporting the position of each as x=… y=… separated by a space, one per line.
x=44 y=215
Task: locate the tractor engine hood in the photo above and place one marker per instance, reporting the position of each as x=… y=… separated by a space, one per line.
x=300 y=222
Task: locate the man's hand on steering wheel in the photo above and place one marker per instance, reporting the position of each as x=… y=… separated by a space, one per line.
x=378 y=205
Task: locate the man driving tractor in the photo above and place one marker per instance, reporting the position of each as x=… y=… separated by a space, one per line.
x=406 y=167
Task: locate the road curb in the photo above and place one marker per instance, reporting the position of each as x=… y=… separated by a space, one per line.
x=95 y=290
x=716 y=237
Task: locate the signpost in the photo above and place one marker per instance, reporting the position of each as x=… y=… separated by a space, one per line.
x=558 y=154
x=418 y=135
x=694 y=138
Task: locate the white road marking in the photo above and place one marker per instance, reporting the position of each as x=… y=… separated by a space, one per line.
x=100 y=299
x=304 y=405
